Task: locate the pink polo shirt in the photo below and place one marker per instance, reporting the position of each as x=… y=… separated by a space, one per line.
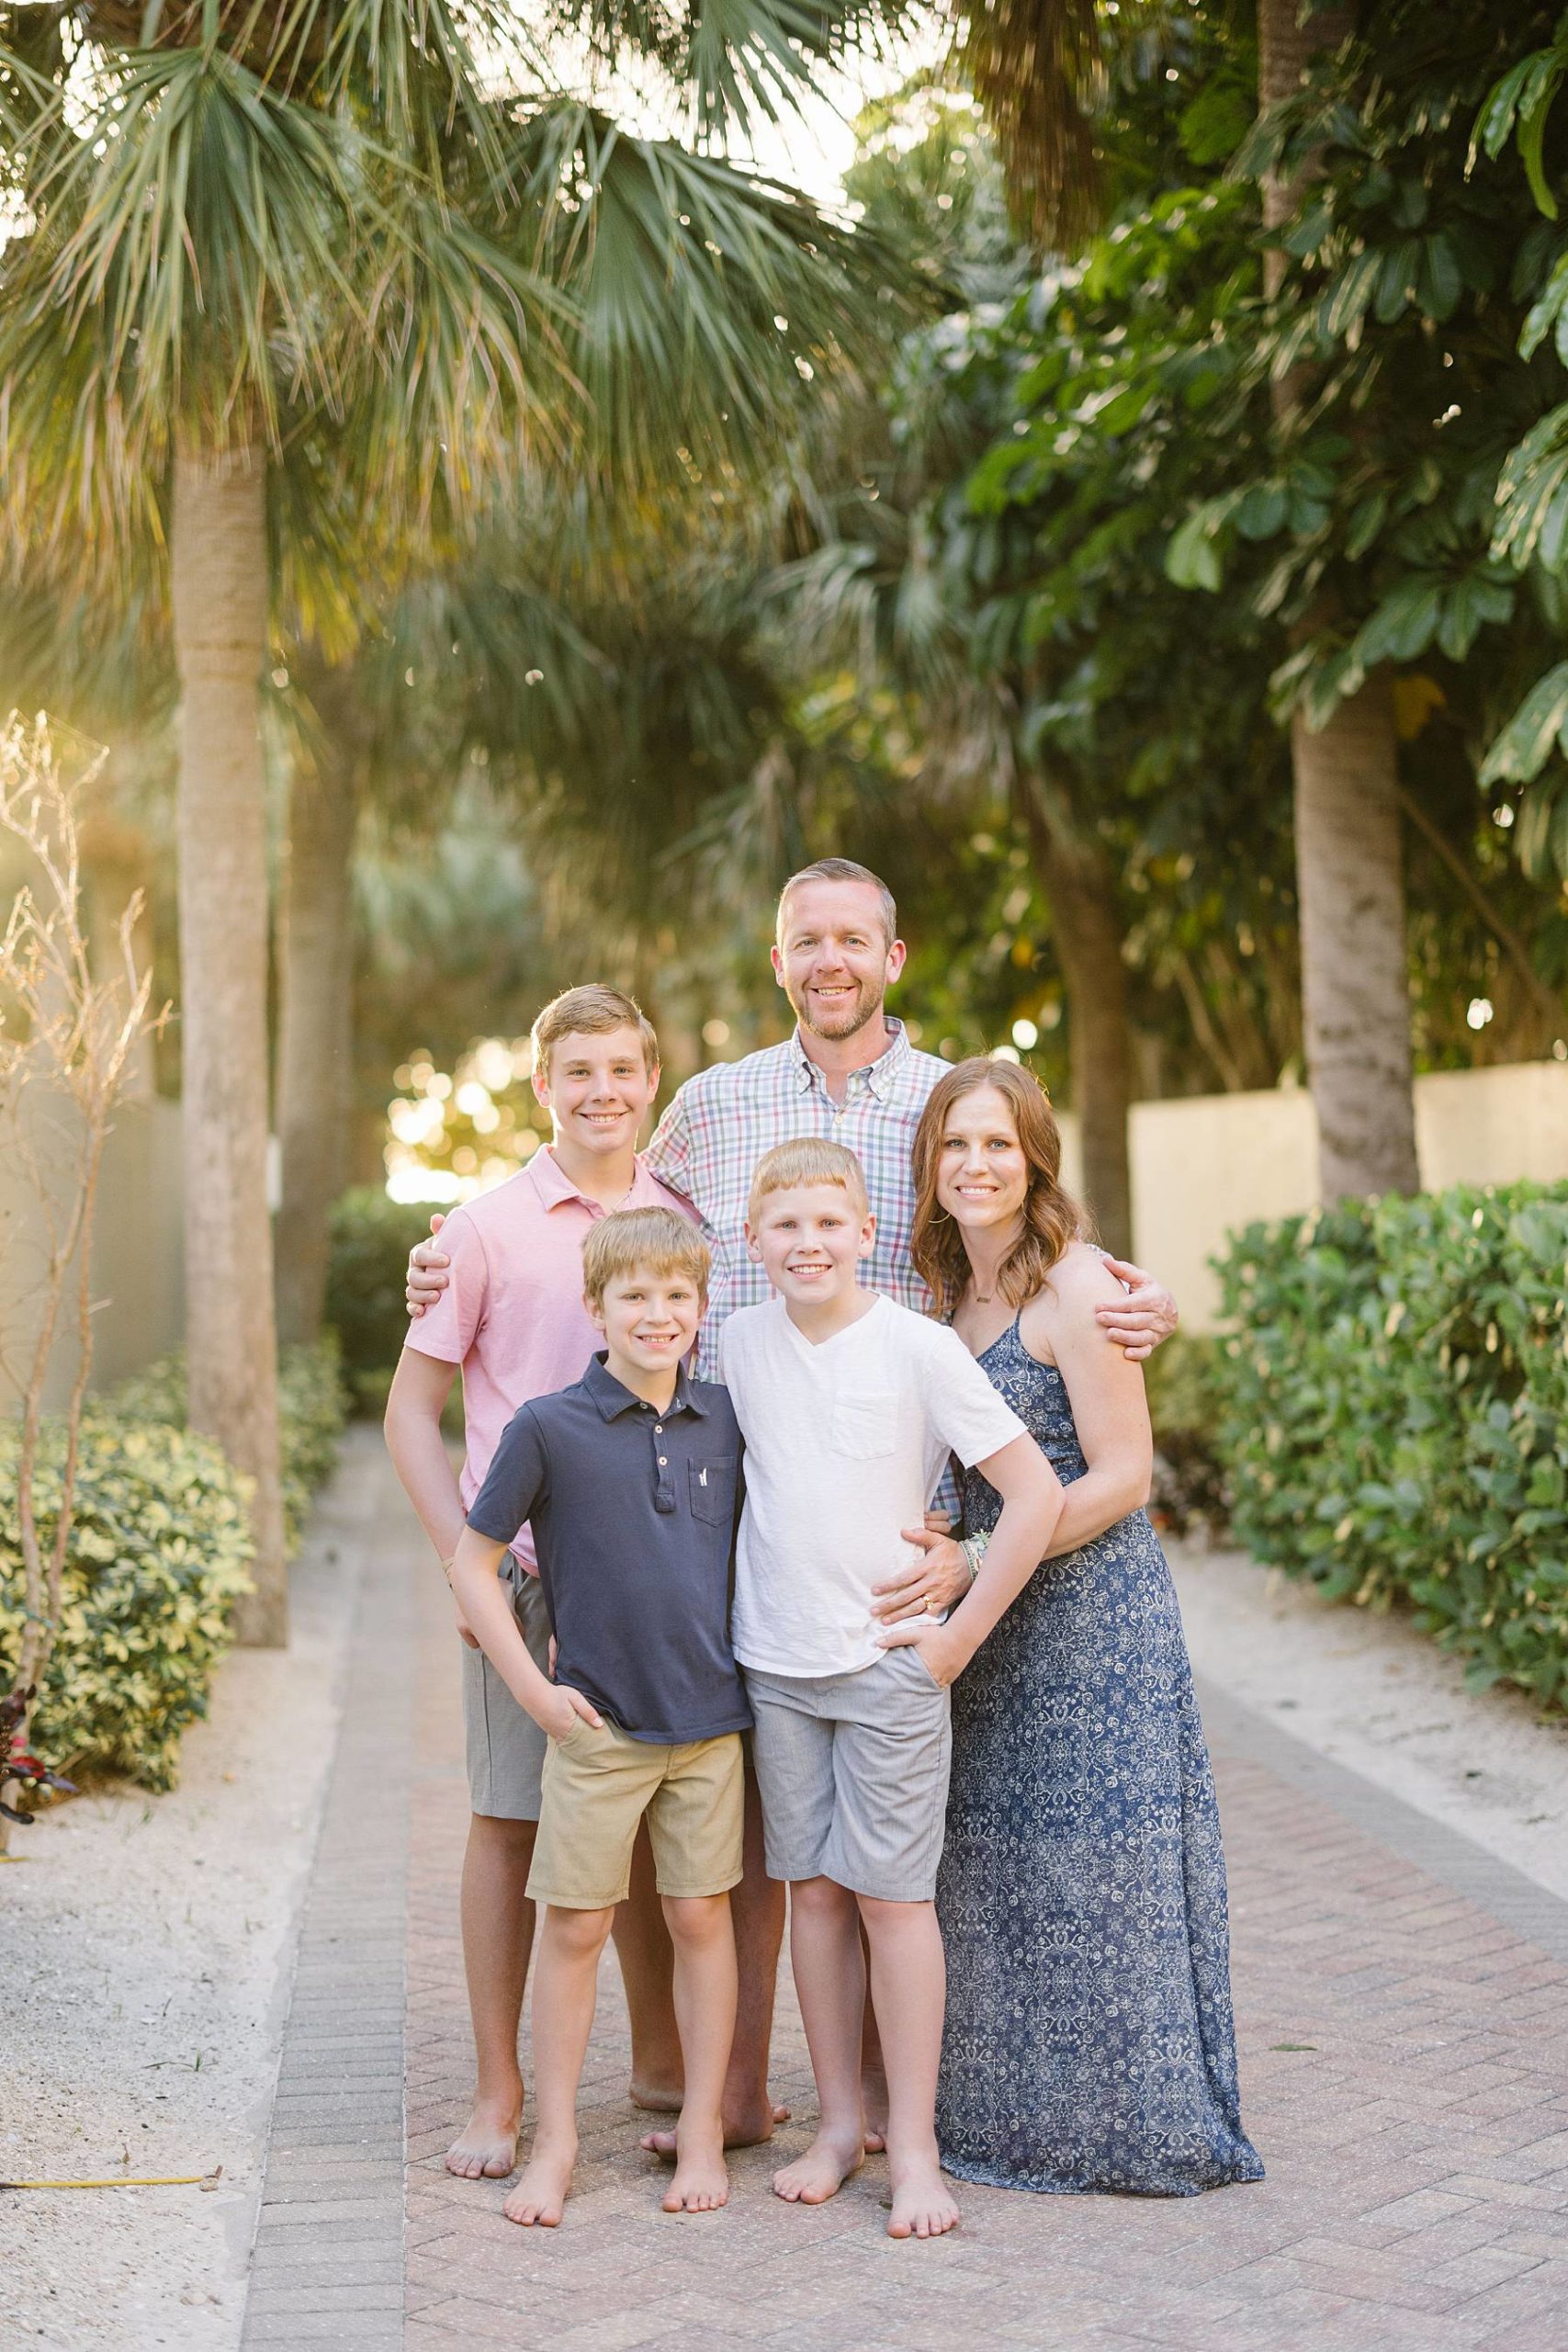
x=512 y=1313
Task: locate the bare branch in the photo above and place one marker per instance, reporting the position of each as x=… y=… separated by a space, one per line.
x=67 y=1035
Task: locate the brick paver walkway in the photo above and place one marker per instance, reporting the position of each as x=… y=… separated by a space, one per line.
x=1400 y=2004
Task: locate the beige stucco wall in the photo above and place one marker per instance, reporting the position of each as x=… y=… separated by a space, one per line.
x=1204 y=1165
x=137 y=1255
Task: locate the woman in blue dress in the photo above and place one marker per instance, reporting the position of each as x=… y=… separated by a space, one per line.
x=1089 y=2043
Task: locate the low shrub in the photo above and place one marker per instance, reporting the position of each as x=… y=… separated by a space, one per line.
x=371 y=1238
x=310 y=1406
x=1189 y=1488
x=158 y=1550
x=1395 y=1414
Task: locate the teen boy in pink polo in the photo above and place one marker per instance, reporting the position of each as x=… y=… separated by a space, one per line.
x=514 y=1320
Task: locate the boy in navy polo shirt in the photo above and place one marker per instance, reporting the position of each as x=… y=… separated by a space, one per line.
x=630 y=1479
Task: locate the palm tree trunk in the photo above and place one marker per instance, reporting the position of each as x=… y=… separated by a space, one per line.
x=218 y=564
x=315 y=1057
x=1354 y=982
x=1085 y=926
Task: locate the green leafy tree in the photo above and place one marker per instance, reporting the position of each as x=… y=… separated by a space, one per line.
x=1376 y=399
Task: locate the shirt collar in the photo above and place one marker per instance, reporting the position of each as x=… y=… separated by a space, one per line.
x=554 y=1185
x=877 y=1077
x=613 y=1399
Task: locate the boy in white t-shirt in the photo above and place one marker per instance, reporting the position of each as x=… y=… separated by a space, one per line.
x=848 y=1405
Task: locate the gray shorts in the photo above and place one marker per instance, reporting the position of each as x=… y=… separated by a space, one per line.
x=853 y=1771
x=506 y=1747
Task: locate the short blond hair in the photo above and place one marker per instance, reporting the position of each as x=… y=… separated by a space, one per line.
x=807 y=1160
x=840 y=869
x=591 y=1010
x=654 y=1241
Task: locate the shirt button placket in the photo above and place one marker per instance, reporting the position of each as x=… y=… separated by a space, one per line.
x=663 y=1485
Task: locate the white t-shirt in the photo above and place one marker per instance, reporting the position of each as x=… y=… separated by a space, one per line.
x=845 y=1443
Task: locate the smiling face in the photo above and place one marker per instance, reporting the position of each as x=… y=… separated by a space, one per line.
x=650 y=1319
x=982 y=1171
x=808 y=1240
x=834 y=960
x=597 y=1089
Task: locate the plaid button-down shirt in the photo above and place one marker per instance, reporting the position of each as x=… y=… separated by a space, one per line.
x=723 y=1120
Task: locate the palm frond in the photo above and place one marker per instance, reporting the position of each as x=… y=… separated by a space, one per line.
x=710 y=299
x=193 y=230
x=730 y=63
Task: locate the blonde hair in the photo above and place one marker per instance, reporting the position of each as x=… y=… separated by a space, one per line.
x=840 y=869
x=1052 y=1218
x=809 y=1159
x=653 y=1241
x=591 y=1010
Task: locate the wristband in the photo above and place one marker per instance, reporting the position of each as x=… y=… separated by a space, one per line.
x=973 y=1550
x=974 y=1553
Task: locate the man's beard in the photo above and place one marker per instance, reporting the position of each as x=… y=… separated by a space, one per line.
x=864 y=1008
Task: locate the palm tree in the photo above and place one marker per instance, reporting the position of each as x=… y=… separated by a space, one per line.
x=299 y=284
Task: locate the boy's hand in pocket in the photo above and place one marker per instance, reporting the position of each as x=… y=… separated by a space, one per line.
x=942 y=1653
x=564 y=1708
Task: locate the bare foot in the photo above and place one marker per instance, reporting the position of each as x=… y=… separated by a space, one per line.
x=660 y=2098
x=748 y=2130
x=820 y=2172
x=486 y=2147
x=873 y=2099
x=701 y=2184
x=539 y=2197
x=923 y=2206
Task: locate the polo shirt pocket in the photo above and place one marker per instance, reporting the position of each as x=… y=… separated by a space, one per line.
x=864 y=1426
x=712 y=1488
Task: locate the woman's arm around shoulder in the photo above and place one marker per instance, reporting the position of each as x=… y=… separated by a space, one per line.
x=1061 y=1325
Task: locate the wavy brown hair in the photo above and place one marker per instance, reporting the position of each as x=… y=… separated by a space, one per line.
x=1052 y=1218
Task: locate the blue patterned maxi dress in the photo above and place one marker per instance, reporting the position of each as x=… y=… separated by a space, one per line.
x=1089 y=2043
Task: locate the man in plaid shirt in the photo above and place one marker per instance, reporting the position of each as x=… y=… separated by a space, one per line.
x=849 y=1072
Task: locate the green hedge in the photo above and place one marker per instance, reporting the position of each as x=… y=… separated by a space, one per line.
x=371 y=1238
x=1395 y=1414
x=158 y=1552
x=1182 y=1381
x=311 y=1407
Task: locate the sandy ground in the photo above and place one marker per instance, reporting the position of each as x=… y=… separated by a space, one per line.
x=146 y=1945
x=1381 y=1699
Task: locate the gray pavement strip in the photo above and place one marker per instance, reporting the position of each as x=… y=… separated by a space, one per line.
x=325 y=2263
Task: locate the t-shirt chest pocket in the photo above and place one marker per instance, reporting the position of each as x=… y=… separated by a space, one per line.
x=712 y=1488
x=864 y=1428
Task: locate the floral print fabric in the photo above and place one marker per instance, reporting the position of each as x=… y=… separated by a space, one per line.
x=1090 y=2043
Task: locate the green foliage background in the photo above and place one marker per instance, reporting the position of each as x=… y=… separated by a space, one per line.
x=311 y=1411
x=371 y=1238
x=1394 y=1415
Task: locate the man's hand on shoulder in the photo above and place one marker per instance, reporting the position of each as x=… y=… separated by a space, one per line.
x=427 y=1275
x=1139 y=1321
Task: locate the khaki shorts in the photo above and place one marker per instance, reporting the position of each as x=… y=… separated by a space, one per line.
x=505 y=1746
x=599 y=1784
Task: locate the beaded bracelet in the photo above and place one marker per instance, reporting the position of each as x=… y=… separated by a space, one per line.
x=973 y=1550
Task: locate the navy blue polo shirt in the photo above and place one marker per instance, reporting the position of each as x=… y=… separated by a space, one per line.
x=633 y=1513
